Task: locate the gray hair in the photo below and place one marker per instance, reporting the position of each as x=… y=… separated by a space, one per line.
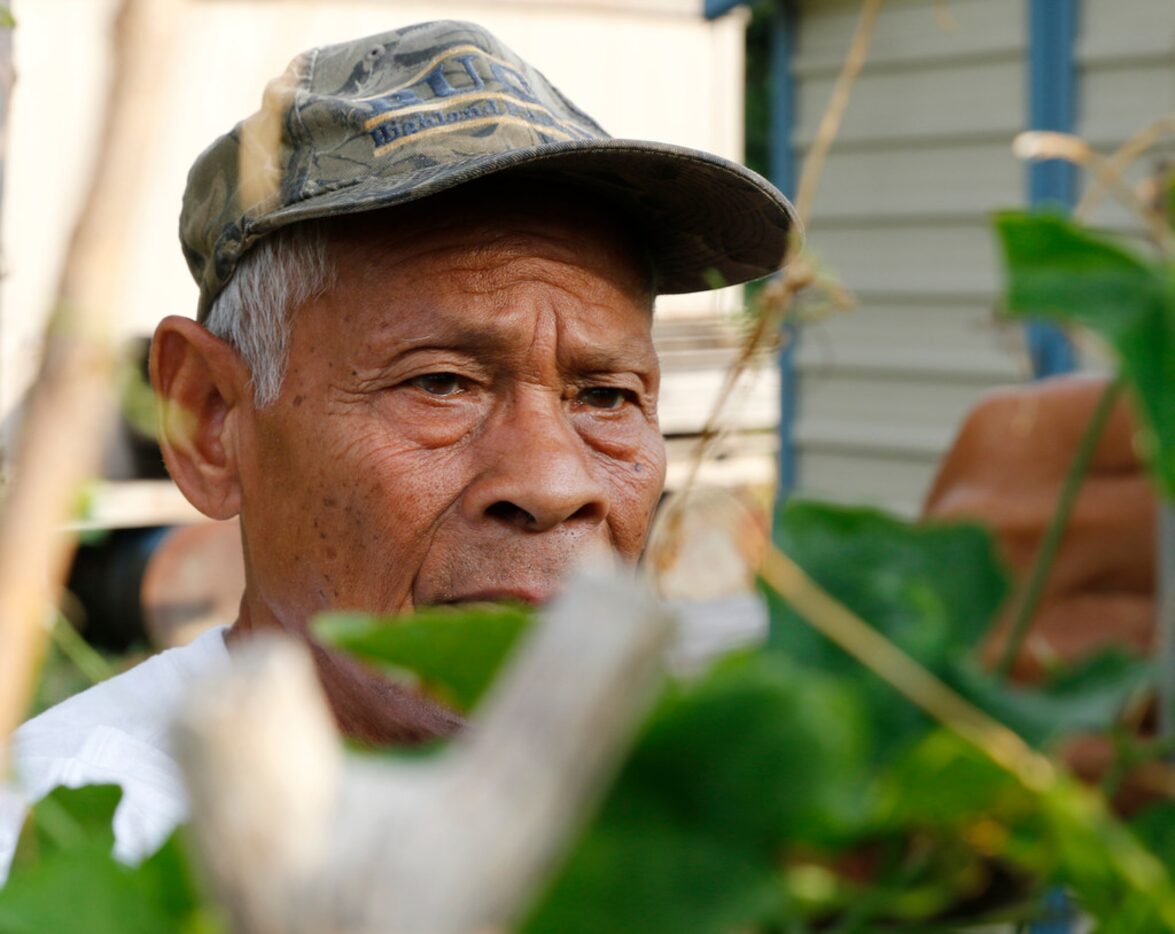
x=254 y=312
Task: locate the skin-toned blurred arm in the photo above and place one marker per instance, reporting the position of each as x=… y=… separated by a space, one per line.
x=1005 y=469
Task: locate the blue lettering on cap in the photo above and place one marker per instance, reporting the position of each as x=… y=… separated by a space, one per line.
x=394 y=101
x=439 y=82
x=513 y=81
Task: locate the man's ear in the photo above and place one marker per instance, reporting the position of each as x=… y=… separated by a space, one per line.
x=201 y=389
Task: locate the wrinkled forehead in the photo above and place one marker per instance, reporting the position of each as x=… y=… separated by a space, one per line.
x=501 y=219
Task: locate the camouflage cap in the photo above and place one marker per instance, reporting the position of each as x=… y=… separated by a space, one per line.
x=399 y=116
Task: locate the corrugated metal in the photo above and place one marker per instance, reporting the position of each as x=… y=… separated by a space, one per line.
x=902 y=220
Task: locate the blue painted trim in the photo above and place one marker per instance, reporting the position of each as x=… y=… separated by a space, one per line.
x=1052 y=183
x=783 y=173
x=712 y=9
x=1052 y=95
x=1059 y=916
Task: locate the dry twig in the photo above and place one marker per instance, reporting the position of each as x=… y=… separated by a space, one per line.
x=69 y=405
x=776 y=298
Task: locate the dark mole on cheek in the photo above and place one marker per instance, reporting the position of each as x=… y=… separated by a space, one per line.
x=637 y=466
x=298 y=400
x=329 y=502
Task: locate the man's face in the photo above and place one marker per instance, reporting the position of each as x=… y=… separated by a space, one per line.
x=470 y=411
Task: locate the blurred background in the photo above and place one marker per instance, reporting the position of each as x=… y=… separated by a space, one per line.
x=854 y=405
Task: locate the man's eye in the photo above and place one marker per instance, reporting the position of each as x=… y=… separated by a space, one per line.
x=604 y=397
x=439 y=384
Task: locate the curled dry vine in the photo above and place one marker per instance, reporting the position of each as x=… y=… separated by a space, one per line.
x=775 y=300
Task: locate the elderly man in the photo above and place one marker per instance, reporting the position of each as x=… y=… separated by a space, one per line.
x=421 y=373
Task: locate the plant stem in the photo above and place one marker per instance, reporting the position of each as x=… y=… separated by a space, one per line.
x=1166 y=620
x=1042 y=564
x=923 y=688
x=773 y=311
x=79 y=652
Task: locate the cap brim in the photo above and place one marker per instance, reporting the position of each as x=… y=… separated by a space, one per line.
x=708 y=222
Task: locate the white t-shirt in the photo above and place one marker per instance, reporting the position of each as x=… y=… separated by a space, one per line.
x=117 y=732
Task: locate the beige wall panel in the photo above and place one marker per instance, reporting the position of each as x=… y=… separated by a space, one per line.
x=897 y=485
x=941 y=259
x=902 y=220
x=870 y=439
x=954 y=340
x=1129 y=29
x=688 y=396
x=1115 y=102
x=928 y=181
x=909 y=30
x=966 y=100
x=870 y=400
x=976 y=363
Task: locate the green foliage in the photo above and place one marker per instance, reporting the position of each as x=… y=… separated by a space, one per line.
x=453 y=653
x=728 y=770
x=934 y=592
x=64 y=877
x=1061 y=271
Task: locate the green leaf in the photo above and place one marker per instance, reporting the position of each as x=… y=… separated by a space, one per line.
x=1155 y=828
x=956 y=784
x=932 y=590
x=1057 y=270
x=755 y=755
x=454 y=652
x=64 y=877
x=1087 y=698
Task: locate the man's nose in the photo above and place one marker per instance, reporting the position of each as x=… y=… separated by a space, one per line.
x=538 y=473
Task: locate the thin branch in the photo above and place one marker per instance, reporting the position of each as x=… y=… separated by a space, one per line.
x=70 y=403
x=1075 y=476
x=1122 y=158
x=776 y=298
x=834 y=113
x=1046 y=144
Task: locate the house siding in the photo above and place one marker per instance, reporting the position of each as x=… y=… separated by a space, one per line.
x=901 y=219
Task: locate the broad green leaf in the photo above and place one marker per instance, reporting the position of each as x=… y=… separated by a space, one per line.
x=755 y=755
x=1057 y=270
x=944 y=781
x=932 y=590
x=454 y=652
x=1117 y=880
x=1155 y=828
x=65 y=878
x=1084 y=699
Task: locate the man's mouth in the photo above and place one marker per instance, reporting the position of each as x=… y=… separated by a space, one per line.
x=533 y=598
